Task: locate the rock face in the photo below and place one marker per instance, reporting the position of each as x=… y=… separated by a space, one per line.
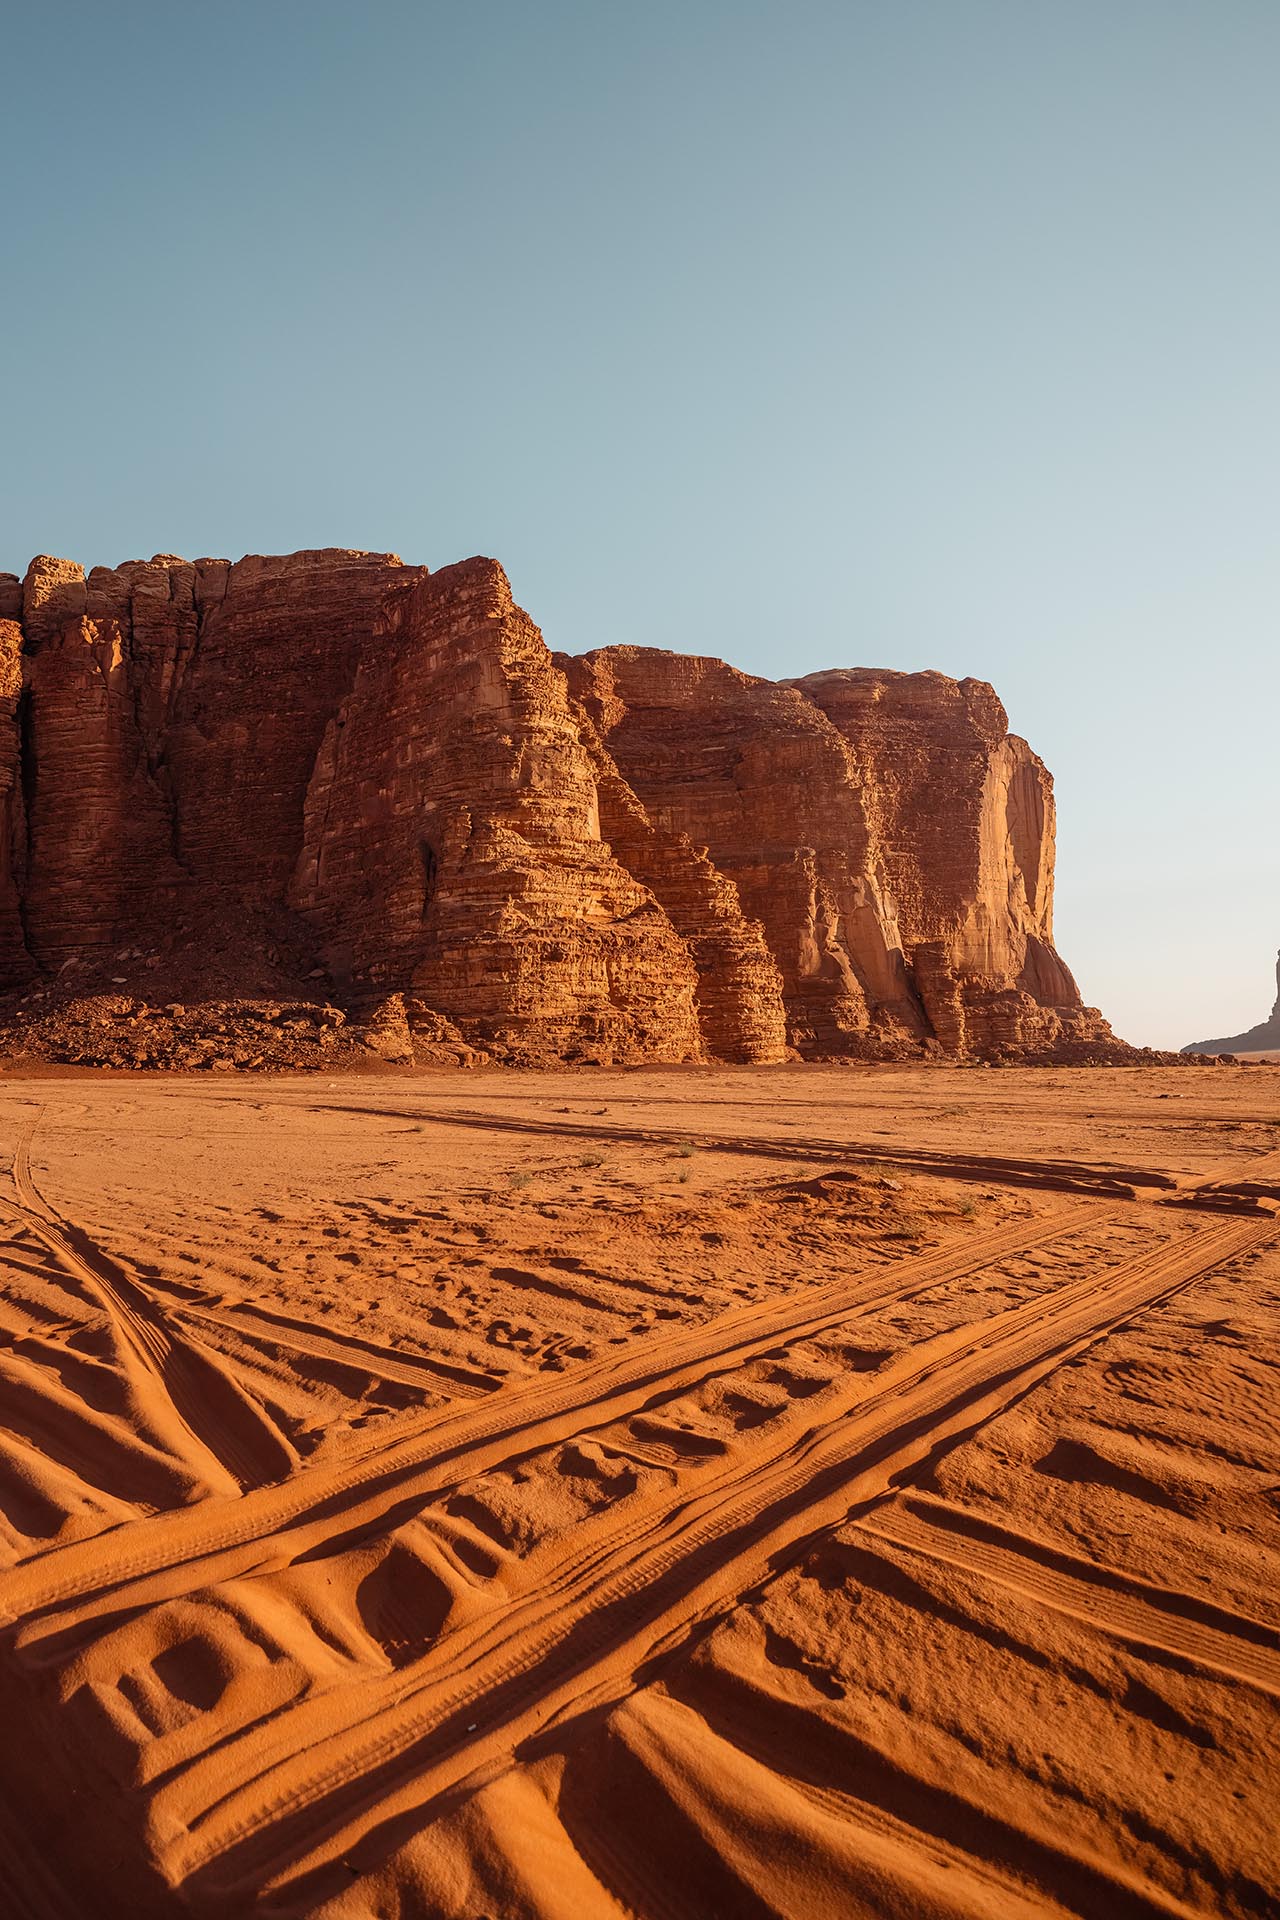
x=890 y=836
x=229 y=780
x=451 y=841
x=1264 y=1038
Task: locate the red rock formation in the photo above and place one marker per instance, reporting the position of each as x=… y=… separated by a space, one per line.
x=757 y=775
x=964 y=818
x=174 y=711
x=452 y=842
x=332 y=766
x=893 y=839
x=739 y=987
x=15 y=962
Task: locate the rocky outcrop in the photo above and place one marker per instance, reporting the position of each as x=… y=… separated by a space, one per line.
x=451 y=842
x=892 y=838
x=16 y=964
x=335 y=776
x=1264 y=1038
x=172 y=716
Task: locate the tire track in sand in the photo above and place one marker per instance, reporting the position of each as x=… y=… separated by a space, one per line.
x=182 y=1391
x=1108 y=1182
x=153 y=1558
x=1124 y=1606
x=280 y=1330
x=581 y=1627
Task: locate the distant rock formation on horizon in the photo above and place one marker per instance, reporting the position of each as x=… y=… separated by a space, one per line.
x=1264 y=1038
x=332 y=766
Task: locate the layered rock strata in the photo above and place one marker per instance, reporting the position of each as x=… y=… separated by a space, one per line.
x=451 y=841
x=333 y=769
x=892 y=838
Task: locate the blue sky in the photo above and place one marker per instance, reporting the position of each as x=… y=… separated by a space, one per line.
x=924 y=333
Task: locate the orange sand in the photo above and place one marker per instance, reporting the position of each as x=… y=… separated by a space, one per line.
x=821 y=1491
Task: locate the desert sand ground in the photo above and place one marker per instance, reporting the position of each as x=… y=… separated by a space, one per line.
x=806 y=1492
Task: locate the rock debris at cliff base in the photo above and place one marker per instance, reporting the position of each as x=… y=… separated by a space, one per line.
x=268 y=791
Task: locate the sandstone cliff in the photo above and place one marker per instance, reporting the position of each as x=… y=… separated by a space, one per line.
x=333 y=776
x=1264 y=1038
x=893 y=840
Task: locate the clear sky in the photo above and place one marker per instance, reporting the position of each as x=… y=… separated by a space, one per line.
x=913 y=333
